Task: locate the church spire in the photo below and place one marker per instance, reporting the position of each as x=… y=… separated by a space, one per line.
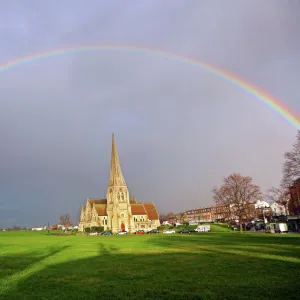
x=116 y=177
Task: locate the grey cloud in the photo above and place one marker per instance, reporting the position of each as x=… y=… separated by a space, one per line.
x=179 y=129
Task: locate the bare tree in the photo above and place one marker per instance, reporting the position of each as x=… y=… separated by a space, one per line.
x=65 y=220
x=238 y=194
x=291 y=167
x=162 y=218
x=166 y=217
x=279 y=195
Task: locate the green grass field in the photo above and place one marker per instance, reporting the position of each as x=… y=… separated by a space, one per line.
x=34 y=265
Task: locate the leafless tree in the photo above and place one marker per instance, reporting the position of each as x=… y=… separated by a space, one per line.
x=166 y=217
x=291 y=167
x=238 y=194
x=65 y=220
x=279 y=195
x=162 y=218
x=170 y=215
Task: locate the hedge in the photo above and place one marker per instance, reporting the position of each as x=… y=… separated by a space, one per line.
x=97 y=229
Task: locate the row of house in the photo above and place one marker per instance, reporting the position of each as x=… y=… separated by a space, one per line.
x=54 y=227
x=221 y=213
x=261 y=209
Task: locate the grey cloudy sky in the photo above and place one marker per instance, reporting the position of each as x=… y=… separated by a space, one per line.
x=179 y=129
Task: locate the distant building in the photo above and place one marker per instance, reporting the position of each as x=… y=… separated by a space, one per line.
x=262 y=210
x=216 y=213
x=277 y=209
x=118 y=211
x=222 y=213
x=166 y=223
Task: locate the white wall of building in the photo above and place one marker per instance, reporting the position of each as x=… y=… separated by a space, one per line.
x=277 y=209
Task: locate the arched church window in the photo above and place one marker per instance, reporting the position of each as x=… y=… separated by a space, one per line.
x=122 y=215
x=118 y=196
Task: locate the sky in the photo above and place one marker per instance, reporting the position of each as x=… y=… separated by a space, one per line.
x=179 y=129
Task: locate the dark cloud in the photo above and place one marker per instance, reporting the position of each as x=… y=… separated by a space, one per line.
x=179 y=129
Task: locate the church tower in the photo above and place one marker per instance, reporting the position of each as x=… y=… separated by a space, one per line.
x=118 y=204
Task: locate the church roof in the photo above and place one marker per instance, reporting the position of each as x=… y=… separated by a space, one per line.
x=116 y=177
x=148 y=209
x=138 y=209
x=101 y=209
x=98 y=200
x=151 y=211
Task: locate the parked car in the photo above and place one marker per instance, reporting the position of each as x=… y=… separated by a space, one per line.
x=169 y=231
x=203 y=228
x=140 y=232
x=259 y=226
x=249 y=226
x=185 y=231
x=122 y=232
x=153 y=231
x=106 y=233
x=94 y=233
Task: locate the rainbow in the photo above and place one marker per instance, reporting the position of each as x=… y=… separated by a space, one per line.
x=260 y=95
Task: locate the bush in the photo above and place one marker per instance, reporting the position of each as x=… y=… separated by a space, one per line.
x=161 y=228
x=87 y=230
x=97 y=229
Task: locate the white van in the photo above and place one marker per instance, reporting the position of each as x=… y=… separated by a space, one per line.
x=281 y=227
x=203 y=228
x=276 y=228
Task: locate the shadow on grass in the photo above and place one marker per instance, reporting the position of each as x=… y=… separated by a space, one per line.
x=171 y=267
x=12 y=264
x=18 y=267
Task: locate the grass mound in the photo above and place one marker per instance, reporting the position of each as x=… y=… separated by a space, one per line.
x=220 y=228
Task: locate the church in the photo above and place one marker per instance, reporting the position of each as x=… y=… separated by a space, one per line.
x=118 y=212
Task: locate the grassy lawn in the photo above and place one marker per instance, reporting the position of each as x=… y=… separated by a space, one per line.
x=34 y=265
